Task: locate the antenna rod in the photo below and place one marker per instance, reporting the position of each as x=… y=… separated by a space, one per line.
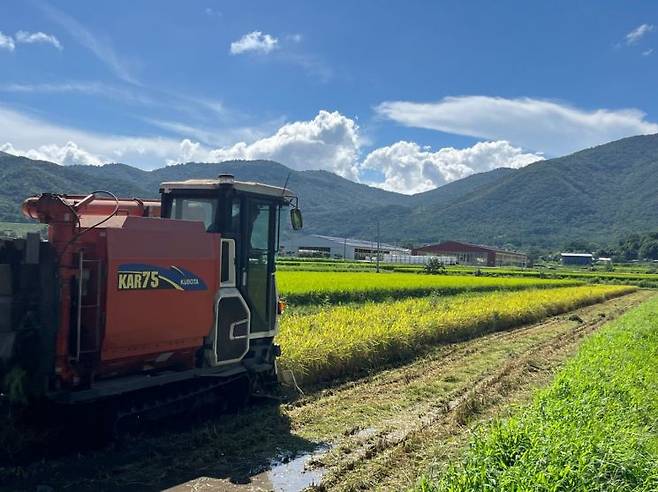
x=283 y=193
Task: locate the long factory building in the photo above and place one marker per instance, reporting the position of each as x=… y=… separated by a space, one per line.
x=474 y=254
x=337 y=247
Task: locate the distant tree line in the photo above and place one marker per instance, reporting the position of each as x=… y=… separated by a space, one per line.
x=632 y=247
x=638 y=247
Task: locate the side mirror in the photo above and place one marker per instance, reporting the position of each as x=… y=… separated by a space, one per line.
x=296 y=219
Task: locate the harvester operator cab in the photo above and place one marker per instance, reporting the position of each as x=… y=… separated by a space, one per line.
x=247 y=215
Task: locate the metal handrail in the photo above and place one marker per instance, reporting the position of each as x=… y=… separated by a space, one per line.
x=81 y=306
x=79 y=318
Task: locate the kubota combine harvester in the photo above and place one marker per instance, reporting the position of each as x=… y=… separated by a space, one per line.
x=143 y=302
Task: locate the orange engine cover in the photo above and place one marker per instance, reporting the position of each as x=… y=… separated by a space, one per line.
x=162 y=279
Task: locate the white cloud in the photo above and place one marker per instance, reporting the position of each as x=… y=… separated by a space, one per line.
x=7 y=42
x=216 y=136
x=102 y=49
x=256 y=42
x=638 y=33
x=647 y=52
x=66 y=155
x=206 y=135
x=123 y=94
x=409 y=169
x=285 y=51
x=329 y=141
x=193 y=107
x=37 y=37
x=30 y=136
x=188 y=150
x=539 y=125
x=24 y=37
x=212 y=12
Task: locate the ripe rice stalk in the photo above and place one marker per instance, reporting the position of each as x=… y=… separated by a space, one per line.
x=301 y=288
x=342 y=340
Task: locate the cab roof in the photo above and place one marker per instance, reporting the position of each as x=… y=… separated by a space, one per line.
x=211 y=184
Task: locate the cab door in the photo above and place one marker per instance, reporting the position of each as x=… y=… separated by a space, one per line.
x=257 y=279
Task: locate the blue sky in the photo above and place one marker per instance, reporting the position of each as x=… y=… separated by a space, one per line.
x=403 y=95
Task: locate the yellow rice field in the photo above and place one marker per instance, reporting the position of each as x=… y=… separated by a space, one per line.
x=342 y=340
x=321 y=287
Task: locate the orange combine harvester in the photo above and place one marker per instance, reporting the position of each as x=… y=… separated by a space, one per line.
x=143 y=302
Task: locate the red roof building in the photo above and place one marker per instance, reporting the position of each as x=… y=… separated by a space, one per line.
x=474 y=254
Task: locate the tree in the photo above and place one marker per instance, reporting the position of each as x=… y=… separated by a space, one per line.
x=649 y=250
x=535 y=254
x=434 y=266
x=579 y=246
x=628 y=247
x=605 y=252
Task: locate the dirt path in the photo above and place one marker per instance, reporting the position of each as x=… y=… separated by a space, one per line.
x=392 y=424
x=378 y=432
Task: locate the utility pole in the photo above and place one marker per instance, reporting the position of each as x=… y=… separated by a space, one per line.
x=378 y=246
x=345 y=249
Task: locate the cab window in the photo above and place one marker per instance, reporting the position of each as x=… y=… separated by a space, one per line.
x=260 y=228
x=195 y=209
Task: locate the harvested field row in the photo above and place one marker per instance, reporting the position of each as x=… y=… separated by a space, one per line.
x=425 y=413
x=301 y=288
x=338 y=341
x=594 y=428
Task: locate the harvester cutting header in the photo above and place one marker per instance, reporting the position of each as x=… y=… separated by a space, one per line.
x=129 y=297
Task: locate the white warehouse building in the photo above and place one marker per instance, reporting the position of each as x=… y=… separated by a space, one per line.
x=336 y=247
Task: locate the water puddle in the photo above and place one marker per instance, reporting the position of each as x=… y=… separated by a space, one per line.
x=285 y=475
x=365 y=434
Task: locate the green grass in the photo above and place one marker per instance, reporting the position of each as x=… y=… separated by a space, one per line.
x=329 y=265
x=301 y=288
x=338 y=341
x=643 y=275
x=594 y=428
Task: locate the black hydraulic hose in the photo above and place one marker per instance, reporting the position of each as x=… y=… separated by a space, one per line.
x=114 y=212
x=77 y=236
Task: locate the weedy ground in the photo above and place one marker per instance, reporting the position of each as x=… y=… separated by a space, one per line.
x=384 y=429
x=594 y=428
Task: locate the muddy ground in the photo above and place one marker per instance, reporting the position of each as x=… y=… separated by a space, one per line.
x=377 y=432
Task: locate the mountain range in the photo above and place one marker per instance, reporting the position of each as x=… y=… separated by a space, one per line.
x=596 y=195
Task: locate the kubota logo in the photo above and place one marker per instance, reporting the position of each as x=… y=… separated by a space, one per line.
x=136 y=276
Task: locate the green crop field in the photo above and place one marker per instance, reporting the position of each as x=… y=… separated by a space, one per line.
x=594 y=428
x=327 y=265
x=643 y=276
x=337 y=341
x=300 y=288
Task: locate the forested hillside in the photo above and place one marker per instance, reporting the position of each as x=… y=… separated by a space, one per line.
x=598 y=195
